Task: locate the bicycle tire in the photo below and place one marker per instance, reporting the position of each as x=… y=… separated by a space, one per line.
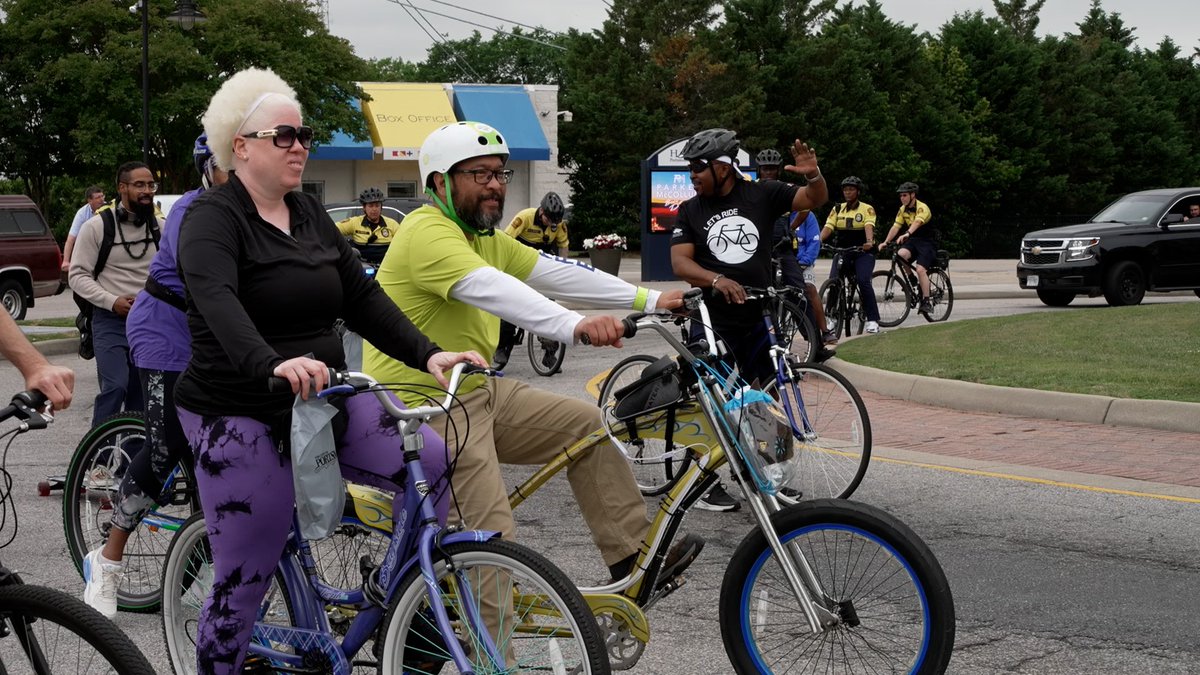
x=654 y=473
x=548 y=609
x=892 y=296
x=830 y=294
x=544 y=361
x=42 y=621
x=900 y=617
x=941 y=296
x=93 y=476
x=833 y=449
x=797 y=331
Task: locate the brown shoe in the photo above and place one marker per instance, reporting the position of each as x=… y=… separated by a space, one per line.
x=680 y=557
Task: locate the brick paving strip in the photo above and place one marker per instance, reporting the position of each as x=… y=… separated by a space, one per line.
x=1068 y=451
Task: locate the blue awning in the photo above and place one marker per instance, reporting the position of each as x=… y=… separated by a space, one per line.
x=342 y=146
x=507 y=108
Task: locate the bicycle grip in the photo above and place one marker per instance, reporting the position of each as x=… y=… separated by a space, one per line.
x=280 y=385
x=628 y=330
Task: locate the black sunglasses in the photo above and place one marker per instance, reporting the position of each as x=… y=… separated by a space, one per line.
x=697 y=165
x=285 y=136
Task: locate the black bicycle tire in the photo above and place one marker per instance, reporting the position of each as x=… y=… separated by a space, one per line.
x=412 y=588
x=47 y=606
x=77 y=544
x=534 y=347
x=805 y=328
x=671 y=475
x=903 y=303
x=750 y=557
x=830 y=294
x=948 y=295
x=856 y=400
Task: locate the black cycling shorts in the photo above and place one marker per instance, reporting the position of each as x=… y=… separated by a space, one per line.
x=923 y=251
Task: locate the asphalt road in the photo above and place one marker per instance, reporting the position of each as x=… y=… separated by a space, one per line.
x=1047 y=578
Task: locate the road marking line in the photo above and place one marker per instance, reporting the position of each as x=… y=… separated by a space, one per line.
x=1040 y=481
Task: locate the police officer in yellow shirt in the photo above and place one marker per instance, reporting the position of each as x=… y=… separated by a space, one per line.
x=543 y=228
x=372 y=232
x=918 y=244
x=854 y=223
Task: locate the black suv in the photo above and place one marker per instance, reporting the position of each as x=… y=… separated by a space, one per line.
x=1142 y=241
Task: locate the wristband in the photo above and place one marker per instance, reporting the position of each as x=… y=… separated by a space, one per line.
x=815 y=178
x=715 y=280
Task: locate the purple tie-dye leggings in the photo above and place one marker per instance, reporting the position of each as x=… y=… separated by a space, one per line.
x=246 y=491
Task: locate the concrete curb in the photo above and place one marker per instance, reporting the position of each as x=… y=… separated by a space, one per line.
x=55 y=347
x=1054 y=405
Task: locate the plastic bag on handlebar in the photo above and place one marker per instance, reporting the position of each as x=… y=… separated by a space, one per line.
x=763 y=436
x=316 y=474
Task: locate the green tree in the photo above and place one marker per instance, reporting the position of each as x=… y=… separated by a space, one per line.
x=533 y=57
x=71 y=84
x=1021 y=16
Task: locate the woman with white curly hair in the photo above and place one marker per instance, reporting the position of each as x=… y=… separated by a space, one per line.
x=267 y=274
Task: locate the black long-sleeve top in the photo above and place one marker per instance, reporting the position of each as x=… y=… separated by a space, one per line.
x=257 y=297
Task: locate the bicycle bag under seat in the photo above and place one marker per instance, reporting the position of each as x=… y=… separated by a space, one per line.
x=941 y=260
x=660 y=386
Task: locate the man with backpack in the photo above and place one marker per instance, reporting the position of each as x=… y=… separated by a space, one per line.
x=108 y=267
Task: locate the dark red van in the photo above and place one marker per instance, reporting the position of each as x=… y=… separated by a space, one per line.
x=30 y=260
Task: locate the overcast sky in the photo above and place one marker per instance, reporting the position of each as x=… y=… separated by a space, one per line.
x=383 y=28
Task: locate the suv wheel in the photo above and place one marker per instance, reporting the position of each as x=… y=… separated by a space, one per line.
x=1055 y=298
x=1124 y=284
x=12 y=296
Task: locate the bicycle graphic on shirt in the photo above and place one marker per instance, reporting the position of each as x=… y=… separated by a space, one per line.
x=738 y=236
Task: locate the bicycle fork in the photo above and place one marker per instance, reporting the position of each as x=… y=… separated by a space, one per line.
x=795 y=568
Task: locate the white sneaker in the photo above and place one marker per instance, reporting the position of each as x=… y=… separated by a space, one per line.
x=102 y=577
x=872 y=327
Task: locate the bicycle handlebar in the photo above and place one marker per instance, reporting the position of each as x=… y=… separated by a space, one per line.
x=26 y=406
x=629 y=324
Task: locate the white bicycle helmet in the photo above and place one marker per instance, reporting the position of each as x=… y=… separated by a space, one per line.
x=453 y=143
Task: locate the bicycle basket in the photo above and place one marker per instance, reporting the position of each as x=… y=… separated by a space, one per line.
x=659 y=387
x=942 y=259
x=763 y=436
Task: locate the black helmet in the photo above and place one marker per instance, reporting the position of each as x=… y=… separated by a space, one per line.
x=907 y=186
x=711 y=144
x=552 y=207
x=371 y=194
x=855 y=182
x=769 y=157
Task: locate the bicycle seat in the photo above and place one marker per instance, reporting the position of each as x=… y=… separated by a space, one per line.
x=660 y=386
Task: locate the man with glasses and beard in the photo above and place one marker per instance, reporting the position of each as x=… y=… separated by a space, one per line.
x=455 y=278
x=123 y=273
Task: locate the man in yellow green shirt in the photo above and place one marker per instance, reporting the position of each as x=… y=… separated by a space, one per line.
x=455 y=278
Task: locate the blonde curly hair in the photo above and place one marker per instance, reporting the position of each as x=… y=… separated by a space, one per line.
x=239 y=101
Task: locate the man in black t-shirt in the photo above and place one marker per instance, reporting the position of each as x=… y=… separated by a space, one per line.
x=722 y=240
x=722 y=237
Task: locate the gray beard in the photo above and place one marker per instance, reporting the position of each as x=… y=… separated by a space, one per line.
x=483 y=223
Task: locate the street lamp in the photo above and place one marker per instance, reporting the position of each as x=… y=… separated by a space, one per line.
x=187 y=16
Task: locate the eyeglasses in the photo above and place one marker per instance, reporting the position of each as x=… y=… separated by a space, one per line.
x=285 y=136
x=485 y=176
x=697 y=165
x=142 y=185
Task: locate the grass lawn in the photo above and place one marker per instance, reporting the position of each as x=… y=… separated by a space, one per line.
x=42 y=337
x=60 y=322
x=1146 y=352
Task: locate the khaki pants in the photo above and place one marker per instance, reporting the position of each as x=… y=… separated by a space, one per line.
x=514 y=423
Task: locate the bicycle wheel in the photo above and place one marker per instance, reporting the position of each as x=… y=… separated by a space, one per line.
x=941 y=296
x=48 y=631
x=89 y=492
x=796 y=330
x=893 y=298
x=893 y=606
x=655 y=466
x=544 y=623
x=188 y=578
x=831 y=295
x=832 y=437
x=546 y=355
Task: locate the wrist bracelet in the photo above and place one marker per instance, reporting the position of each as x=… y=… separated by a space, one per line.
x=814 y=179
x=715 y=280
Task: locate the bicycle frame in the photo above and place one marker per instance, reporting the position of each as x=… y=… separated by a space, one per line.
x=416 y=533
x=707 y=454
